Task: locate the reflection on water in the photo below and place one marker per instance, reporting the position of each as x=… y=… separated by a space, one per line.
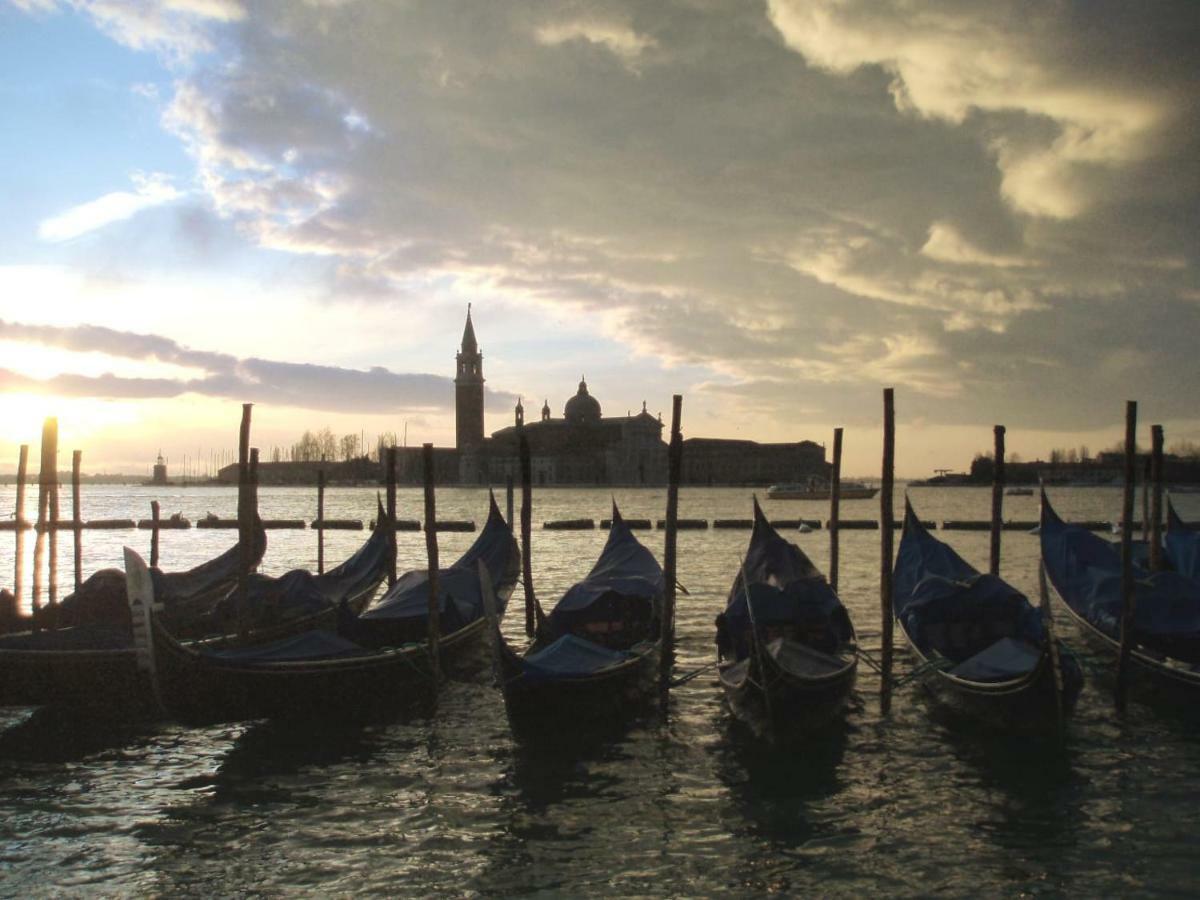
x=684 y=801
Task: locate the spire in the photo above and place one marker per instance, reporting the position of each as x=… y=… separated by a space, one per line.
x=546 y=410
x=469 y=344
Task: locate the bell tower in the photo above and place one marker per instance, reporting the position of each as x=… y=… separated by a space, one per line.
x=468 y=391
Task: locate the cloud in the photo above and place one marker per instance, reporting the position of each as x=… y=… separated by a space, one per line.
x=951 y=63
x=809 y=197
x=618 y=39
x=296 y=385
x=149 y=191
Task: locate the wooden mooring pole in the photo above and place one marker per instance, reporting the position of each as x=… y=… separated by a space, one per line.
x=670 y=559
x=52 y=524
x=1147 y=478
x=835 y=503
x=49 y=439
x=508 y=498
x=1127 y=595
x=526 y=534
x=77 y=516
x=244 y=516
x=391 y=505
x=1156 y=500
x=431 y=550
x=997 y=500
x=885 y=556
x=19 y=549
x=320 y=521
x=155 y=525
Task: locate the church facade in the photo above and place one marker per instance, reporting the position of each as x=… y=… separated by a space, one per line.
x=585 y=447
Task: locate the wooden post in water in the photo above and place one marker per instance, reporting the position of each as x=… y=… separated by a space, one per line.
x=670 y=559
x=886 y=539
x=391 y=504
x=320 y=521
x=244 y=516
x=49 y=427
x=1156 y=501
x=835 y=503
x=431 y=550
x=76 y=516
x=155 y=523
x=52 y=522
x=526 y=534
x=19 y=562
x=1147 y=477
x=997 y=500
x=508 y=497
x=1127 y=595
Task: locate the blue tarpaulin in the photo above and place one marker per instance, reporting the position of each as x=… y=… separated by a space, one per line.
x=311 y=645
x=1086 y=571
x=1183 y=545
x=946 y=606
x=460 y=600
x=571 y=656
x=785 y=589
x=625 y=576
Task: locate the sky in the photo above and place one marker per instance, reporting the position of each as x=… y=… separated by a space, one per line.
x=775 y=209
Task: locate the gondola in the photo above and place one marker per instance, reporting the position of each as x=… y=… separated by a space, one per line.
x=596 y=655
x=369 y=665
x=785 y=644
x=1182 y=544
x=91 y=667
x=88 y=661
x=301 y=600
x=981 y=648
x=402 y=614
x=186 y=597
x=1085 y=573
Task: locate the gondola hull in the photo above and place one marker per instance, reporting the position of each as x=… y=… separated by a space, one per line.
x=1025 y=705
x=783 y=703
x=198 y=689
x=1155 y=677
x=95 y=682
x=608 y=695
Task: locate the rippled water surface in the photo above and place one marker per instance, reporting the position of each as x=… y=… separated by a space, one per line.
x=683 y=803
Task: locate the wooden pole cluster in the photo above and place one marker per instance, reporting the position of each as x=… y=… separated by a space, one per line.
x=155 y=520
x=886 y=517
x=1156 y=502
x=431 y=549
x=391 y=504
x=19 y=562
x=526 y=535
x=77 y=515
x=320 y=521
x=997 y=500
x=1127 y=595
x=670 y=560
x=835 y=502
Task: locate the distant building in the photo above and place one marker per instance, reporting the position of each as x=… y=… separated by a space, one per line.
x=160 y=470
x=584 y=447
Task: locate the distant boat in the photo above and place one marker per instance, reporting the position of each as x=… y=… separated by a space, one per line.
x=1018 y=492
x=850 y=490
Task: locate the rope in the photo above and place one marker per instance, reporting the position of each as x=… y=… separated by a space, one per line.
x=870 y=660
x=684 y=679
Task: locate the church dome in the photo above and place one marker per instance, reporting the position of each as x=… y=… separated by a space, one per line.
x=583 y=408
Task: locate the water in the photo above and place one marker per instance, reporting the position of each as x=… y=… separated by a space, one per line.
x=685 y=803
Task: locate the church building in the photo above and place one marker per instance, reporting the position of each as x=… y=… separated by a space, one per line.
x=585 y=447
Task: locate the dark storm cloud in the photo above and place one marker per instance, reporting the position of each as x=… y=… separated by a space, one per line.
x=375 y=390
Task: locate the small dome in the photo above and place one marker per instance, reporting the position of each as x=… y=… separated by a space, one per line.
x=583 y=408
